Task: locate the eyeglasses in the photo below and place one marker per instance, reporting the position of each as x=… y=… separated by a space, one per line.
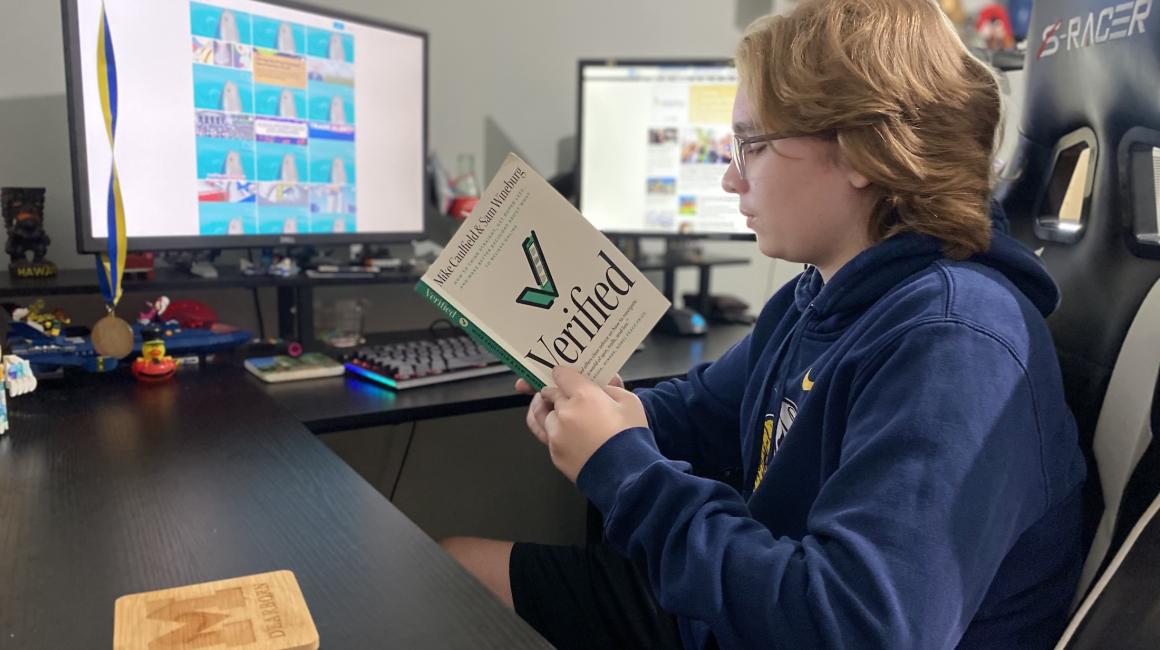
x=741 y=144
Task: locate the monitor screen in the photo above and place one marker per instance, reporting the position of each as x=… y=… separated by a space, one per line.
x=241 y=123
x=655 y=140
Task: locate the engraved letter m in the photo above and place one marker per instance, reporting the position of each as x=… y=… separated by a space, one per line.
x=195 y=627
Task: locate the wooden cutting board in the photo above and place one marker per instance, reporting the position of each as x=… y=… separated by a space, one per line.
x=258 y=612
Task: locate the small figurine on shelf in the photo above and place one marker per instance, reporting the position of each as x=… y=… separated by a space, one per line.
x=465 y=187
x=15 y=377
x=51 y=323
x=284 y=268
x=993 y=28
x=153 y=365
x=155 y=311
x=23 y=209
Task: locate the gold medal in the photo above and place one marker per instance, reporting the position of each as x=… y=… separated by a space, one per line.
x=112 y=337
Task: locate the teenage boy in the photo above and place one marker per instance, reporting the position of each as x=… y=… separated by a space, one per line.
x=906 y=472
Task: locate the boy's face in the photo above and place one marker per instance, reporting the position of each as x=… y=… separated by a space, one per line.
x=802 y=201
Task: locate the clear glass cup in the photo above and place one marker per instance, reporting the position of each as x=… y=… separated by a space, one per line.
x=339 y=323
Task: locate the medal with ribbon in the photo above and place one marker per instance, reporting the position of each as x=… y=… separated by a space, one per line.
x=112 y=337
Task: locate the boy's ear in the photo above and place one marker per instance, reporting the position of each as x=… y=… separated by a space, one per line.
x=857 y=179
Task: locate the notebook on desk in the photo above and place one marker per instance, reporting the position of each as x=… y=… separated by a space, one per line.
x=311 y=365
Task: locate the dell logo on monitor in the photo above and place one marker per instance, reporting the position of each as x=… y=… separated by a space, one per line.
x=285 y=239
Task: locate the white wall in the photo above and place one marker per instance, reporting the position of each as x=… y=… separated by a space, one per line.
x=33 y=63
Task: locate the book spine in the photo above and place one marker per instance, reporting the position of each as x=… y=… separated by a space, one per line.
x=491 y=345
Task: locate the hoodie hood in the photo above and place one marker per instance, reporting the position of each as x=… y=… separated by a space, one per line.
x=878 y=269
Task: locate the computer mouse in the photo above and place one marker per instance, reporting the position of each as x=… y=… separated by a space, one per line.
x=682 y=322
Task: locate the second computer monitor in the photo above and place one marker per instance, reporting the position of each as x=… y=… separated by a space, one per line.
x=655 y=139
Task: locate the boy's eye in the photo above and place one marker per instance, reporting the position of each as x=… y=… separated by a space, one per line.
x=755 y=147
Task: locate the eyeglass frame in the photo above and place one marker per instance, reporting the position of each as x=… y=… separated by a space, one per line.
x=739 y=142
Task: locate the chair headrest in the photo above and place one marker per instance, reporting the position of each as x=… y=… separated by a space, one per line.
x=1091 y=63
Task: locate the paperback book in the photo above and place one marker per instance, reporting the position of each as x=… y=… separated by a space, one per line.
x=530 y=279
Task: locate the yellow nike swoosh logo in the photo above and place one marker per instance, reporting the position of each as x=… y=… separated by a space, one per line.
x=806 y=383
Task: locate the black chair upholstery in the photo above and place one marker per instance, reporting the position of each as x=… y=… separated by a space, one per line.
x=1098 y=85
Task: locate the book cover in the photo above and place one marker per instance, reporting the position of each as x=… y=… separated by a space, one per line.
x=311 y=365
x=529 y=278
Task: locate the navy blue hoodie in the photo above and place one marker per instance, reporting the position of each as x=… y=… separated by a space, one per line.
x=909 y=471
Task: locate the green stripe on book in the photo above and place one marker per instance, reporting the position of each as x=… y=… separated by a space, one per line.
x=475 y=333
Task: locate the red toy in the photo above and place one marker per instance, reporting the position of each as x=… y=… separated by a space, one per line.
x=993 y=27
x=139 y=265
x=191 y=314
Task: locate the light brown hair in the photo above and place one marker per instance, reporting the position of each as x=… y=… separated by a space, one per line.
x=913 y=110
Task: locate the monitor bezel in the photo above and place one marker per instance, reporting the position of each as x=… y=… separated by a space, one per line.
x=640 y=62
x=86 y=243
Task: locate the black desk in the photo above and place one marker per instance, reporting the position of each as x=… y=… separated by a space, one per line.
x=341 y=403
x=108 y=487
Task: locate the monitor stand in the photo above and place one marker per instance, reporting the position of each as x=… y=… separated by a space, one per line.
x=683 y=249
x=677 y=249
x=682 y=321
x=677 y=321
x=629 y=245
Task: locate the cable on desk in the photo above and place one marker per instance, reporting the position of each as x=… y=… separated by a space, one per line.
x=257 y=301
x=258 y=309
x=403 y=463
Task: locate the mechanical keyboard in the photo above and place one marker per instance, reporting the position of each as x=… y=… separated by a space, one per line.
x=422 y=362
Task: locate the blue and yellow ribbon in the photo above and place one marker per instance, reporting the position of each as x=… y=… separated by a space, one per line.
x=110 y=266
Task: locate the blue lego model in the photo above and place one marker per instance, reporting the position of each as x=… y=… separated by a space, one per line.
x=47 y=353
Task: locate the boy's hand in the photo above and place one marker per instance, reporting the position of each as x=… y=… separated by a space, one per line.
x=539 y=408
x=579 y=417
x=537 y=412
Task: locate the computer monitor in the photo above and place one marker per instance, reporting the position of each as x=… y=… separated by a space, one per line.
x=241 y=123
x=654 y=142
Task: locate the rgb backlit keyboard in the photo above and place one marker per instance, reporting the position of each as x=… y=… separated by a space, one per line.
x=421 y=362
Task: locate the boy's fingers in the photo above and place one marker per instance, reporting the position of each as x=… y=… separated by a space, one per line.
x=617 y=393
x=569 y=380
x=551 y=394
